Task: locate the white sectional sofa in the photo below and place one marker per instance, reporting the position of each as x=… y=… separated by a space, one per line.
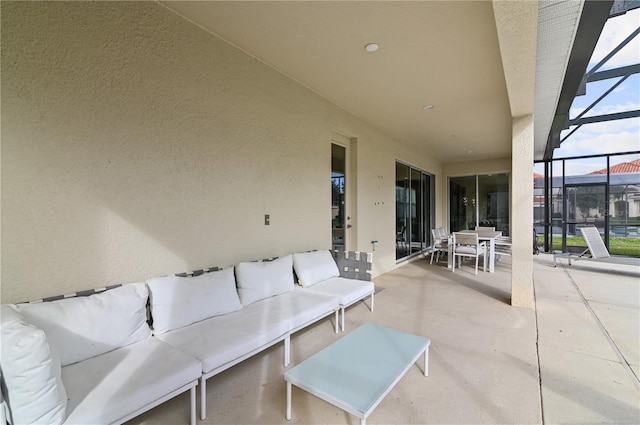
x=106 y=356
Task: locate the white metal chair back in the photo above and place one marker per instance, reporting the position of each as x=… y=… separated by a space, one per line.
x=485 y=228
x=468 y=245
x=440 y=244
x=469 y=239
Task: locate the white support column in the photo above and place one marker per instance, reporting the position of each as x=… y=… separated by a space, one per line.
x=522 y=212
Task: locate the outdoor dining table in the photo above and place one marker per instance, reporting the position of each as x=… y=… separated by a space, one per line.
x=483 y=235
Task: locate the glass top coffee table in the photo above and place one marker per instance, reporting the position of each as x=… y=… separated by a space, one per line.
x=356 y=372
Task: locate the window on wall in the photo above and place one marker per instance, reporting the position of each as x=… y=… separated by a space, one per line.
x=414 y=212
x=479 y=200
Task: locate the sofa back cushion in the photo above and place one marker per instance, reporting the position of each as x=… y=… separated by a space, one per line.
x=258 y=280
x=31 y=372
x=180 y=301
x=83 y=327
x=313 y=267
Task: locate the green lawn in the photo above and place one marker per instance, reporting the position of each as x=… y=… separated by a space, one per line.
x=629 y=247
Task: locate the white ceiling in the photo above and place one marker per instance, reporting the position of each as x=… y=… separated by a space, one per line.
x=447 y=54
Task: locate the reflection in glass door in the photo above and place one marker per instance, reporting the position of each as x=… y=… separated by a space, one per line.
x=479 y=200
x=413 y=210
x=584 y=205
x=402 y=210
x=338 y=189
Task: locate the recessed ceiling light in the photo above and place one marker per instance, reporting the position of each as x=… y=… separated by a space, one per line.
x=371 y=47
x=428 y=107
x=469 y=151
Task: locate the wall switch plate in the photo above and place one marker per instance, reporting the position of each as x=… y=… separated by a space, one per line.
x=267 y=220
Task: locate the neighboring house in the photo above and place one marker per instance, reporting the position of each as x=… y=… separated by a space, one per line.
x=623 y=203
x=625 y=198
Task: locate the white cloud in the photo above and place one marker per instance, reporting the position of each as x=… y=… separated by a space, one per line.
x=609 y=127
x=575 y=168
x=631 y=125
x=616 y=135
x=586 y=166
x=589 y=144
x=602 y=109
x=614 y=32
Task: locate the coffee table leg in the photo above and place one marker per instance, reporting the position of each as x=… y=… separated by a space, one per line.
x=288 y=415
x=363 y=421
x=426 y=361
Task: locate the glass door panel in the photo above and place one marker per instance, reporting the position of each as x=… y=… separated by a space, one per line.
x=493 y=198
x=585 y=205
x=338 y=188
x=416 y=211
x=426 y=211
x=402 y=210
x=557 y=217
x=413 y=210
x=462 y=203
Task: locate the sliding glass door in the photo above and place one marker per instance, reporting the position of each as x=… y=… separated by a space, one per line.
x=481 y=200
x=413 y=210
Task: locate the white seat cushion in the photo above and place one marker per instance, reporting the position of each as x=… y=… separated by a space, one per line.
x=219 y=340
x=106 y=388
x=471 y=250
x=346 y=290
x=299 y=307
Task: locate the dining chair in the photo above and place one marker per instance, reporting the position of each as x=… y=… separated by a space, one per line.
x=486 y=228
x=468 y=245
x=503 y=246
x=440 y=243
x=401 y=239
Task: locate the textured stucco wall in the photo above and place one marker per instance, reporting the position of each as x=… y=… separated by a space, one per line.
x=135 y=144
x=465 y=168
x=522 y=213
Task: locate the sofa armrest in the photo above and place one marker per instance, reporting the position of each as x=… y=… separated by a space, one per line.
x=354 y=264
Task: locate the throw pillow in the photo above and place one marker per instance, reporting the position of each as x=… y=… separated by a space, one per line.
x=83 y=327
x=31 y=372
x=179 y=301
x=314 y=267
x=263 y=279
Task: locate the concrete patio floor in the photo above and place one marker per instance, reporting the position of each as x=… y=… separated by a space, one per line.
x=575 y=359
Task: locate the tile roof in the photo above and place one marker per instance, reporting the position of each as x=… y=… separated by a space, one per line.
x=625 y=167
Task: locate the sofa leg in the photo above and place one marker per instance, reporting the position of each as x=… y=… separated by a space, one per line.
x=372 y=300
x=193 y=405
x=342 y=323
x=203 y=398
x=337 y=320
x=287 y=350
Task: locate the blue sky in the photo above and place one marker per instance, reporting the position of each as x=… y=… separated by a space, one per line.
x=612 y=136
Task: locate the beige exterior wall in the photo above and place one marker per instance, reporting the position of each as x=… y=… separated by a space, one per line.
x=135 y=144
x=465 y=168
